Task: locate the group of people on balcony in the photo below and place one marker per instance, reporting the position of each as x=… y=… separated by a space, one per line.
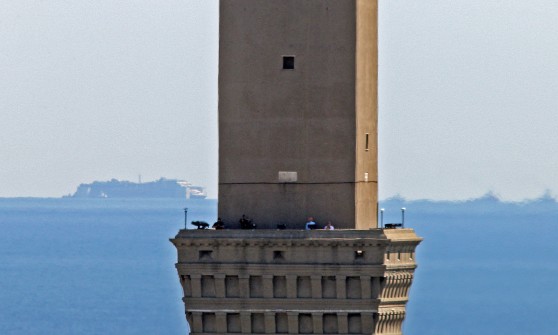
x=246 y=223
x=311 y=225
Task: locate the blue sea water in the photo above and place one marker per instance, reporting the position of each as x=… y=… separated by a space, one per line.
x=105 y=266
x=92 y=266
x=485 y=267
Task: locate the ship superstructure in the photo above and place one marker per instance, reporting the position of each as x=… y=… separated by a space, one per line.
x=162 y=188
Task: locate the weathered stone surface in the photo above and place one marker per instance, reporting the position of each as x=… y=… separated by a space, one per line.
x=296 y=282
x=317 y=121
x=298 y=84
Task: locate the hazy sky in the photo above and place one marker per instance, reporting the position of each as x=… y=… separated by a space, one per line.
x=94 y=90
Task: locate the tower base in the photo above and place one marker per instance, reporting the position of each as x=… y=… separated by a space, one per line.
x=296 y=282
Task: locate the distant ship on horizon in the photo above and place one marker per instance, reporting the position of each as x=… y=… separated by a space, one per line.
x=162 y=188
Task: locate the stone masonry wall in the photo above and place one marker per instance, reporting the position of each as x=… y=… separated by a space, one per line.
x=293 y=282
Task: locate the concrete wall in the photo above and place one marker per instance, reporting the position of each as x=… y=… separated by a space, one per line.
x=302 y=120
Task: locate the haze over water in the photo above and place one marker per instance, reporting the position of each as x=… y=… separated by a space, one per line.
x=93 y=90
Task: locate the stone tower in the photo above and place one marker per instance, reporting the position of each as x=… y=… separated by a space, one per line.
x=297 y=111
x=297 y=138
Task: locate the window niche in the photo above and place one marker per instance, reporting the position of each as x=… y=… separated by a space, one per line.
x=208 y=286
x=329 y=287
x=186 y=282
x=330 y=325
x=281 y=323
x=205 y=255
x=258 y=323
x=233 y=323
x=355 y=324
x=305 y=325
x=279 y=287
x=359 y=255
x=353 y=288
x=278 y=255
x=288 y=62
x=208 y=321
x=256 y=287
x=304 y=287
x=232 y=287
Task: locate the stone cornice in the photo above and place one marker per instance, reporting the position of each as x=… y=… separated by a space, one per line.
x=400 y=266
x=281 y=243
x=393 y=302
x=402 y=236
x=283 y=269
x=401 y=272
x=281 y=305
x=268 y=234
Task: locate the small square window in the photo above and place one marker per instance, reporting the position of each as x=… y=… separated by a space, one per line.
x=359 y=254
x=205 y=254
x=278 y=255
x=288 y=62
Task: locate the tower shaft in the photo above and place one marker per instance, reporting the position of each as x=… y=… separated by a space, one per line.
x=298 y=112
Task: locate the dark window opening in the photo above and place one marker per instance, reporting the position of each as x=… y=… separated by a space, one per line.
x=205 y=254
x=278 y=255
x=359 y=254
x=288 y=62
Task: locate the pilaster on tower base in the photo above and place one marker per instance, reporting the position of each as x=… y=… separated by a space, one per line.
x=296 y=282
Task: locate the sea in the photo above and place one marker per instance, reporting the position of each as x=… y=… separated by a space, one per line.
x=106 y=266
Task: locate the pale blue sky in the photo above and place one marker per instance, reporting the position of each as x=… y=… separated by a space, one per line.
x=94 y=90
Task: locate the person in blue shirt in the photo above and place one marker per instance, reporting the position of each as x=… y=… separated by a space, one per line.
x=310 y=224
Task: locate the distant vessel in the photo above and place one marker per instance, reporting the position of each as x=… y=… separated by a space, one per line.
x=162 y=188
